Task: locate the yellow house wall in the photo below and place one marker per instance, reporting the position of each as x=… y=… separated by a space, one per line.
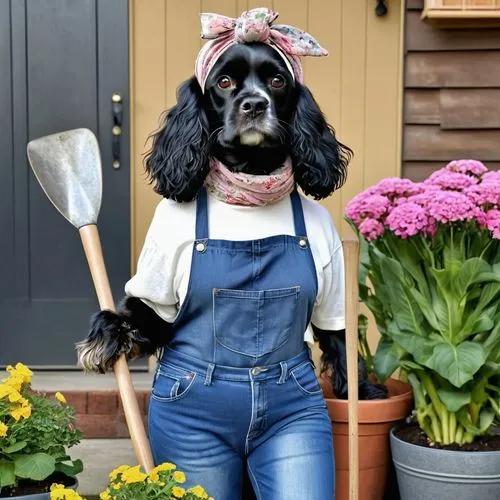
x=358 y=86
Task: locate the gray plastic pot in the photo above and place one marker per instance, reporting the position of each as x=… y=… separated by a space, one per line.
x=42 y=496
x=430 y=473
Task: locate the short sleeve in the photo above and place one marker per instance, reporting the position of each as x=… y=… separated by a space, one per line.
x=329 y=312
x=153 y=281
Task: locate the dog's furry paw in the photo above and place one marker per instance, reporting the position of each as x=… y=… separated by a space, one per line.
x=110 y=336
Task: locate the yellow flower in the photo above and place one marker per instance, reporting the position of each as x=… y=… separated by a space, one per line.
x=133 y=475
x=179 y=476
x=3 y=430
x=153 y=476
x=105 y=495
x=115 y=473
x=11 y=392
x=178 y=492
x=60 y=398
x=5 y=390
x=198 y=491
x=15 y=396
x=59 y=492
x=14 y=382
x=21 y=411
x=21 y=371
x=166 y=466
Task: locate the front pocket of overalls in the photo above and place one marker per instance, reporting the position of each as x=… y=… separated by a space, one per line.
x=172 y=383
x=254 y=322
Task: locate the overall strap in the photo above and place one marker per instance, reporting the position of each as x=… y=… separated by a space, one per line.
x=298 y=215
x=202 y=215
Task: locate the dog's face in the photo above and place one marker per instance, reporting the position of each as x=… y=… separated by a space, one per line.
x=251 y=117
x=250 y=97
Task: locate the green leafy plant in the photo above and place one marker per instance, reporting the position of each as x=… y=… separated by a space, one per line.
x=35 y=432
x=430 y=275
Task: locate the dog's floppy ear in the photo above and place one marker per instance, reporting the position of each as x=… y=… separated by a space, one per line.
x=319 y=159
x=177 y=163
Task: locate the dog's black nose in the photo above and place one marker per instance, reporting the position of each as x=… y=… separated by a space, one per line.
x=254 y=106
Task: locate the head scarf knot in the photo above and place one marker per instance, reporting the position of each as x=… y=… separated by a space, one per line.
x=255 y=25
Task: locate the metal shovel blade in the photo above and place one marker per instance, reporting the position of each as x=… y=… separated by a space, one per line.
x=68 y=167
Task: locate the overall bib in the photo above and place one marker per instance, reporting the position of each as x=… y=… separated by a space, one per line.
x=236 y=384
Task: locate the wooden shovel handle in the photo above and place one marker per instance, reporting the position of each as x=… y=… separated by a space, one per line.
x=351 y=260
x=140 y=442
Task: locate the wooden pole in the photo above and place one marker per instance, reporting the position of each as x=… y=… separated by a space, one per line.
x=351 y=260
x=93 y=251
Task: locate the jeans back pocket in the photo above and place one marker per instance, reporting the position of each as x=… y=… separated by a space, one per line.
x=254 y=322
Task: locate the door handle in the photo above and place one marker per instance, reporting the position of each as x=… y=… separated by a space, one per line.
x=116 y=131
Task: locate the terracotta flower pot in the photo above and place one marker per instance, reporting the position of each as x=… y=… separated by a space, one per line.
x=376 y=418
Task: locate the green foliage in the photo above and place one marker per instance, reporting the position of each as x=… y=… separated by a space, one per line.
x=35 y=431
x=436 y=303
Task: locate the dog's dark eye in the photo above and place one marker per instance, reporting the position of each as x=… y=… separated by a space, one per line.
x=224 y=82
x=277 y=82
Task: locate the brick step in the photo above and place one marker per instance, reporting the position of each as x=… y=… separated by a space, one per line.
x=99 y=414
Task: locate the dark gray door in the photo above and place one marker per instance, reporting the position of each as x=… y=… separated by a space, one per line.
x=60 y=63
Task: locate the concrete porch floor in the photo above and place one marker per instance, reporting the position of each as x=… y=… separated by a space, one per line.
x=78 y=381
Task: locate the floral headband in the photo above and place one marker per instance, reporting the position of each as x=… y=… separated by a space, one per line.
x=253 y=26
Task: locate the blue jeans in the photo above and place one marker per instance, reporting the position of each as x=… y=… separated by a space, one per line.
x=210 y=420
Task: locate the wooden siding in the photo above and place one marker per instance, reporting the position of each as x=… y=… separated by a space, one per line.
x=452 y=95
x=358 y=86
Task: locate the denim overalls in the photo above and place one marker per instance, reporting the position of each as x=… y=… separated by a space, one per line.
x=236 y=383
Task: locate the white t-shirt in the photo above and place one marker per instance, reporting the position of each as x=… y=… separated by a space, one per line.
x=164 y=264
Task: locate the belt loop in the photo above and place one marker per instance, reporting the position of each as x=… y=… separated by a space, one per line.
x=210 y=371
x=284 y=372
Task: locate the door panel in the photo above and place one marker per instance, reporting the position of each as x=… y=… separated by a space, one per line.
x=67 y=57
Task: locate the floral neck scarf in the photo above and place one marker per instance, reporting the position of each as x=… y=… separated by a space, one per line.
x=249 y=190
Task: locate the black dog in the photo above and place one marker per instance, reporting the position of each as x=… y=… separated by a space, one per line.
x=251 y=117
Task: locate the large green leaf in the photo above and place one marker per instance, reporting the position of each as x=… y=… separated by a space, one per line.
x=37 y=466
x=477 y=315
x=491 y=345
x=387 y=358
x=454 y=400
x=445 y=302
x=71 y=469
x=486 y=418
x=468 y=274
x=7 y=476
x=421 y=348
x=457 y=364
x=426 y=306
x=487 y=276
x=412 y=262
x=15 y=447
x=405 y=311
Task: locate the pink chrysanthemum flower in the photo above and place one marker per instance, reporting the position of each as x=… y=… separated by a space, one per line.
x=426 y=196
x=474 y=167
x=451 y=180
x=394 y=186
x=493 y=223
x=365 y=205
x=371 y=229
x=488 y=191
x=451 y=206
x=407 y=219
